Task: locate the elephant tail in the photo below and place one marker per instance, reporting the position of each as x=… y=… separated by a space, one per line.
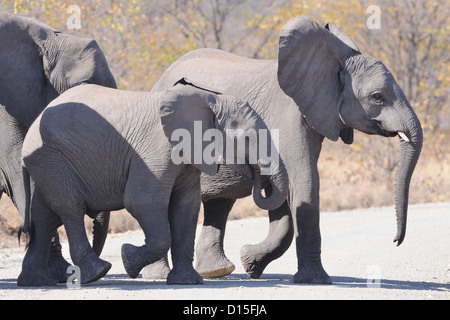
x=101 y=226
x=27 y=227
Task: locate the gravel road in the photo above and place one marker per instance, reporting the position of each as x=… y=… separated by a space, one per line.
x=357 y=251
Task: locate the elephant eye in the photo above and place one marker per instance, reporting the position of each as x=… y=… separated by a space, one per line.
x=377 y=97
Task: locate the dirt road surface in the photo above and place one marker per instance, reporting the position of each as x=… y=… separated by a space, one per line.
x=357 y=251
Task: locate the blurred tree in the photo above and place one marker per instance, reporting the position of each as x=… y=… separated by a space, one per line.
x=231 y=25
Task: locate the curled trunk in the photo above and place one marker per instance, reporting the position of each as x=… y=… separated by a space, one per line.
x=279 y=186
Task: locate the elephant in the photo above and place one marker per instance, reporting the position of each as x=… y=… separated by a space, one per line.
x=108 y=149
x=320 y=87
x=37 y=64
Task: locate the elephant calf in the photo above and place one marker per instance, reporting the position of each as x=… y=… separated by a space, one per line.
x=95 y=149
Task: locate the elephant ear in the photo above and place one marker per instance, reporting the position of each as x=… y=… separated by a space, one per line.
x=309 y=62
x=69 y=61
x=188 y=110
x=346 y=134
x=21 y=72
x=185 y=116
x=343 y=37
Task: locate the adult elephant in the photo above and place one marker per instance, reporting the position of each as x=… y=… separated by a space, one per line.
x=37 y=64
x=320 y=86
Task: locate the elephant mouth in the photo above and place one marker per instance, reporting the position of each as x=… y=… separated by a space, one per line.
x=378 y=127
x=389 y=134
x=378 y=130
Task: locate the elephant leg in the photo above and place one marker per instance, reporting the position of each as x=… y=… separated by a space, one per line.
x=91 y=266
x=183 y=215
x=153 y=219
x=210 y=259
x=56 y=262
x=157 y=270
x=35 y=272
x=304 y=202
x=255 y=258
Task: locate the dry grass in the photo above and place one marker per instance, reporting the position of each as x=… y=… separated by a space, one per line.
x=10 y=222
x=357 y=176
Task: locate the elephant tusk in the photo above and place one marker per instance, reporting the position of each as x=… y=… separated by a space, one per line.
x=404 y=137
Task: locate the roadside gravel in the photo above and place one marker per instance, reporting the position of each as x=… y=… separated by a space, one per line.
x=357 y=251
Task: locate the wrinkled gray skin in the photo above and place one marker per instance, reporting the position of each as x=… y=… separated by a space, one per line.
x=320 y=86
x=108 y=149
x=37 y=63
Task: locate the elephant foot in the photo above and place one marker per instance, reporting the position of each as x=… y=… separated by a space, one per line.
x=212 y=263
x=133 y=259
x=254 y=261
x=217 y=272
x=36 y=278
x=314 y=274
x=57 y=266
x=157 y=270
x=92 y=268
x=184 y=276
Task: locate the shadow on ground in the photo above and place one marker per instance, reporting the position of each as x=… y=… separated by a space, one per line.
x=123 y=282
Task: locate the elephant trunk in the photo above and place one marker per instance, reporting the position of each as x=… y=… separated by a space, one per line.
x=410 y=147
x=279 y=186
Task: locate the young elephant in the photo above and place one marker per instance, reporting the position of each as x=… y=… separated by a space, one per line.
x=96 y=149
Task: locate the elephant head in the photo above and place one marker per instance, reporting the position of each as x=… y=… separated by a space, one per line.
x=338 y=89
x=39 y=63
x=212 y=128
